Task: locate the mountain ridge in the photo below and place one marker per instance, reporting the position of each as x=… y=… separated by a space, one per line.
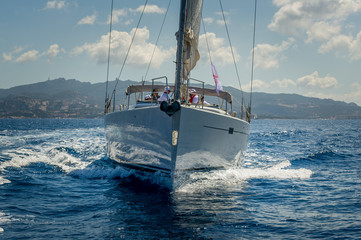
x=62 y=98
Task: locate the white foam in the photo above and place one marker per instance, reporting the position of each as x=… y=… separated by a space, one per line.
x=99 y=172
x=235 y=176
x=3 y=180
x=77 y=152
x=4 y=219
x=25 y=157
x=69 y=150
x=55 y=148
x=96 y=172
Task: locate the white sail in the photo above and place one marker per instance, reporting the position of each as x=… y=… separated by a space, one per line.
x=191 y=35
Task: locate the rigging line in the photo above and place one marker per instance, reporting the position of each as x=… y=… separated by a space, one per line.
x=235 y=99
x=209 y=51
x=254 y=40
x=110 y=37
x=131 y=43
x=156 y=43
x=205 y=33
x=229 y=40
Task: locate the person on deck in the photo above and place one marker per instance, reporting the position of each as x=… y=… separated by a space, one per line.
x=204 y=101
x=155 y=95
x=193 y=97
x=165 y=95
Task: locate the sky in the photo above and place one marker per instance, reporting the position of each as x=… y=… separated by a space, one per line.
x=307 y=47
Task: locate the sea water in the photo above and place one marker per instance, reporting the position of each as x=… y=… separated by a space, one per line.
x=300 y=179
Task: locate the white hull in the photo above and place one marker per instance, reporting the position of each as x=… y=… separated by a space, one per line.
x=142 y=139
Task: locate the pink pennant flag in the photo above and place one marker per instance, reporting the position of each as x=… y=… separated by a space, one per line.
x=216 y=79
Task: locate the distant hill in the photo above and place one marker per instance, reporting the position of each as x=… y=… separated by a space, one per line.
x=61 y=98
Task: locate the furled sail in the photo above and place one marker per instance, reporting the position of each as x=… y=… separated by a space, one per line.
x=191 y=35
x=187 y=46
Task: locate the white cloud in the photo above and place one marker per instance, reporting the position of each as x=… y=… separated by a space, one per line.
x=284 y=83
x=355 y=95
x=220 y=53
x=256 y=85
x=356 y=86
x=309 y=81
x=55 y=4
x=28 y=56
x=339 y=43
x=352 y=96
x=139 y=54
x=149 y=9
x=221 y=22
x=208 y=20
x=344 y=46
x=53 y=51
x=128 y=22
x=322 y=31
x=18 y=50
x=315 y=81
x=267 y=56
x=88 y=20
x=322 y=95
x=355 y=48
x=224 y=12
x=7 y=57
x=31 y=55
x=297 y=16
x=117 y=15
x=319 y=20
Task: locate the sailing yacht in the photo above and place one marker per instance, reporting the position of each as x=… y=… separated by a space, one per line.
x=175 y=136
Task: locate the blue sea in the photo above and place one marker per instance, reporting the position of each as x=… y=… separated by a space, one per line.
x=301 y=179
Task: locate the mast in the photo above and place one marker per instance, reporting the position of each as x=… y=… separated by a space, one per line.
x=179 y=58
x=187 y=46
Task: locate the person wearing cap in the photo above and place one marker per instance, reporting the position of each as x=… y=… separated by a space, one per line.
x=193 y=97
x=147 y=97
x=165 y=95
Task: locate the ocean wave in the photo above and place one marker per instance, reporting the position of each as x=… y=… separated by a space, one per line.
x=282 y=133
x=4 y=219
x=24 y=157
x=74 y=161
x=322 y=154
x=80 y=153
x=68 y=149
x=105 y=168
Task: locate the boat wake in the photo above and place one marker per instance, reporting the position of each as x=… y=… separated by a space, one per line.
x=236 y=176
x=82 y=156
x=73 y=162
